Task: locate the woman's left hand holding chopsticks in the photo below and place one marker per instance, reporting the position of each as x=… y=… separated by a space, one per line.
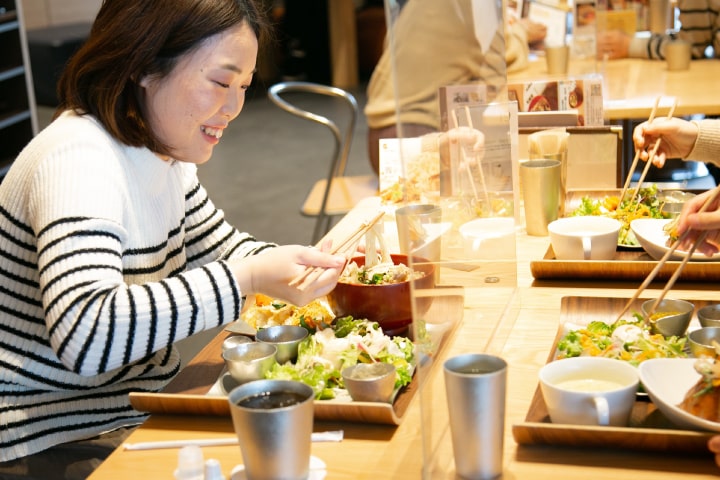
x=698 y=220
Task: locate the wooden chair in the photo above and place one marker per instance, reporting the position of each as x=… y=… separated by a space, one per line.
x=336 y=194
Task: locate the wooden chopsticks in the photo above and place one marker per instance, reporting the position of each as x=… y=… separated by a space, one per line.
x=664 y=259
x=347 y=246
x=633 y=166
x=670 y=114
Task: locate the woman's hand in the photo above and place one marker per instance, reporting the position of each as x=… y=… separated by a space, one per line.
x=613 y=43
x=707 y=221
x=714 y=446
x=536 y=32
x=678 y=138
x=271 y=272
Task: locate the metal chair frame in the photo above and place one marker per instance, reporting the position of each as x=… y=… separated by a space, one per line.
x=342 y=141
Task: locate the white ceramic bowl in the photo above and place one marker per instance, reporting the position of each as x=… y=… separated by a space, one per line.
x=584 y=237
x=667 y=380
x=651 y=235
x=589 y=390
x=489 y=238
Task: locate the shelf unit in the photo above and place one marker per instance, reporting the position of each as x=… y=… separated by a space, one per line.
x=18 y=116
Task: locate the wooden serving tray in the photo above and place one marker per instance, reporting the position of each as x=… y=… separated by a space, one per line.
x=648 y=430
x=633 y=264
x=187 y=394
x=628 y=264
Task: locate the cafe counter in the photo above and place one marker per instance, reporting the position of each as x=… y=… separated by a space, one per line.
x=523 y=333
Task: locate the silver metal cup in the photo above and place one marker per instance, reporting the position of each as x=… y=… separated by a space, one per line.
x=541 y=188
x=275 y=436
x=418 y=230
x=475 y=386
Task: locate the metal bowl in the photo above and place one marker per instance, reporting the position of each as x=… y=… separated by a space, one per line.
x=709 y=315
x=370 y=382
x=701 y=341
x=234 y=340
x=249 y=361
x=673 y=201
x=286 y=339
x=670 y=318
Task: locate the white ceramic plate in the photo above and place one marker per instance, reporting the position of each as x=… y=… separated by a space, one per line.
x=666 y=380
x=652 y=237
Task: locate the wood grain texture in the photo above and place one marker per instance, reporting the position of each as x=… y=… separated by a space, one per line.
x=628 y=264
x=648 y=429
x=187 y=394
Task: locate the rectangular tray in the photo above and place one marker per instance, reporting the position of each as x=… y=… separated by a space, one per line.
x=649 y=429
x=628 y=264
x=187 y=394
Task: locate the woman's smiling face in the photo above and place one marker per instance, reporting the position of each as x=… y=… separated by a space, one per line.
x=190 y=108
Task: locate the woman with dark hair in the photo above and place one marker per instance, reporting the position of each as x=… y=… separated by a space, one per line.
x=111 y=249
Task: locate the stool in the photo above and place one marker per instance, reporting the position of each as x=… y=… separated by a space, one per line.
x=50 y=49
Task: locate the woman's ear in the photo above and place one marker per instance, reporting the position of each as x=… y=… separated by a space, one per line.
x=144 y=80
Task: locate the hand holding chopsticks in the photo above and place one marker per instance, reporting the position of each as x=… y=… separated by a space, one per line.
x=346 y=247
x=651 y=156
x=651 y=276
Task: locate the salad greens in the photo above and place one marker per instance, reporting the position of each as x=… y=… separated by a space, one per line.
x=346 y=342
x=642 y=204
x=628 y=340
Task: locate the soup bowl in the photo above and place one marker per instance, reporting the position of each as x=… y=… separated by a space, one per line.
x=390 y=305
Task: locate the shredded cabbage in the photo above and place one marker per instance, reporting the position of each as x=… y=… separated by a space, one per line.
x=323 y=355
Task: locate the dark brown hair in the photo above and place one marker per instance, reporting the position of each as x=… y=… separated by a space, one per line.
x=134 y=38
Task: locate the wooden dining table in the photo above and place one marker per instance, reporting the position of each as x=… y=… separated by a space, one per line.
x=631 y=85
x=518 y=319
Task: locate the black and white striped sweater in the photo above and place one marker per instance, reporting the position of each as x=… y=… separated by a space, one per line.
x=108 y=256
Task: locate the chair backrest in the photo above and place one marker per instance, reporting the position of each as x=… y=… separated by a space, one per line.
x=342 y=141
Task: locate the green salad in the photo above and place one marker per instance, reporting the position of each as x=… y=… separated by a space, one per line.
x=642 y=204
x=344 y=343
x=628 y=340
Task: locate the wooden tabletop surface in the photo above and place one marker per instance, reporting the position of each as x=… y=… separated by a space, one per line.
x=520 y=324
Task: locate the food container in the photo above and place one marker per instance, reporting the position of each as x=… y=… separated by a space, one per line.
x=370 y=382
x=249 y=361
x=701 y=341
x=286 y=339
x=670 y=318
x=673 y=201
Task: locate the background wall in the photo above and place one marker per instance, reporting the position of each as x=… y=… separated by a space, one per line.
x=41 y=13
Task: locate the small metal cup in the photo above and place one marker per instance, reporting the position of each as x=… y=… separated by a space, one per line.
x=249 y=361
x=286 y=339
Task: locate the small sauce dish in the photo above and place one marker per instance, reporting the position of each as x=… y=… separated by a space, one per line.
x=370 y=382
x=249 y=361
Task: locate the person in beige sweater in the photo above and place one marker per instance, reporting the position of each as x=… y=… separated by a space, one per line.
x=436 y=44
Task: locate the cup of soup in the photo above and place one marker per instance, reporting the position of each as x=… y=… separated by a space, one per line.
x=589 y=390
x=590 y=237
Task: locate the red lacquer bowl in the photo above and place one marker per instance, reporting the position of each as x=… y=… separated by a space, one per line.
x=388 y=305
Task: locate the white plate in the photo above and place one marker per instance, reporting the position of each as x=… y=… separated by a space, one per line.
x=652 y=237
x=667 y=380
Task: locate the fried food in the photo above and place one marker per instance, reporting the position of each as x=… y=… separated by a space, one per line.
x=670 y=229
x=703 y=399
x=267 y=312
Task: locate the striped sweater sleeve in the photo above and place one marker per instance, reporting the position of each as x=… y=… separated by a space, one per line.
x=699 y=26
x=133 y=273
